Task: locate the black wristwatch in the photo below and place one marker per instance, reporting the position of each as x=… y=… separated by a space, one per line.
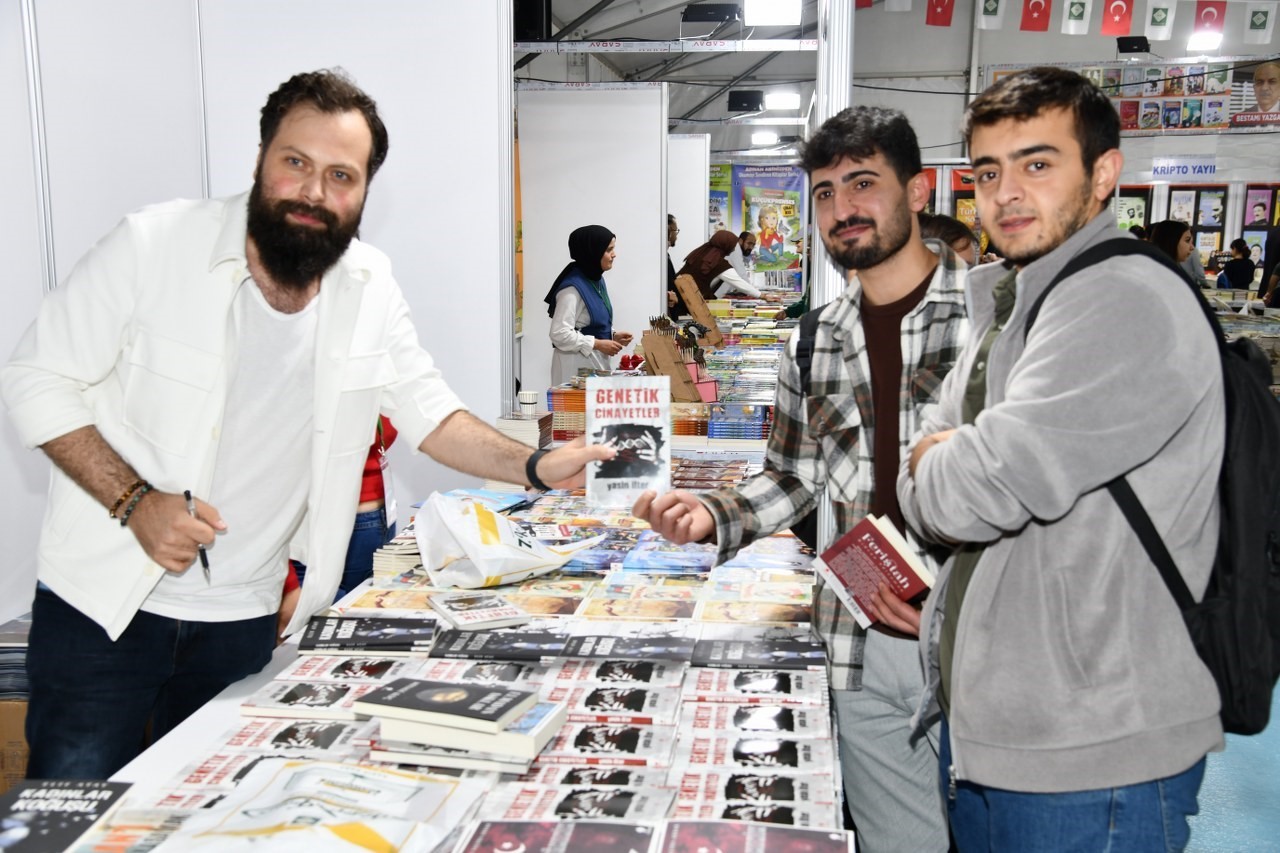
x=531 y=470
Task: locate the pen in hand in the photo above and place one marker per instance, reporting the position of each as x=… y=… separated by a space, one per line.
x=204 y=558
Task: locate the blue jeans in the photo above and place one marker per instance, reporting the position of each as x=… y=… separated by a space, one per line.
x=91 y=698
x=368 y=535
x=1150 y=816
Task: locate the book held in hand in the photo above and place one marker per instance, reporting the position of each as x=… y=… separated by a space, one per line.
x=631 y=414
x=468 y=610
x=475 y=707
x=872 y=553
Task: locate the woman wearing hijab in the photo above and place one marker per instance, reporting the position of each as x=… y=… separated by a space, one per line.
x=578 y=303
x=710 y=268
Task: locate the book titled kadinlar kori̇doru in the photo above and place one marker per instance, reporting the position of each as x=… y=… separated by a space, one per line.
x=632 y=414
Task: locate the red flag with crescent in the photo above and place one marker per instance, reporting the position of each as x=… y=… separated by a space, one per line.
x=1209 y=16
x=862 y=4
x=1117 y=17
x=1035 y=16
x=939 y=14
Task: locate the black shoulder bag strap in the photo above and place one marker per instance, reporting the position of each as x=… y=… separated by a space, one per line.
x=805 y=345
x=1134 y=512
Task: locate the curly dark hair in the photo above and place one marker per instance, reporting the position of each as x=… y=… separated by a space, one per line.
x=862 y=132
x=330 y=90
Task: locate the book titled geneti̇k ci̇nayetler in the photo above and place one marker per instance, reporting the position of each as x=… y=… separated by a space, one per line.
x=632 y=414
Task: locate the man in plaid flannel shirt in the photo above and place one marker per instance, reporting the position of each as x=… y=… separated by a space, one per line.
x=881 y=349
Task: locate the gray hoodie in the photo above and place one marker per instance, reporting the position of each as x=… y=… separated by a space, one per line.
x=1073 y=669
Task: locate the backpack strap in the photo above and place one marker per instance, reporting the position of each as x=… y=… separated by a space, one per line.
x=805 y=345
x=1134 y=512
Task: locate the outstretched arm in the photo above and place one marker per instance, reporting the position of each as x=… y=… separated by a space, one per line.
x=467 y=444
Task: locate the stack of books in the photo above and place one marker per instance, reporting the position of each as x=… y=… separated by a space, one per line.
x=568 y=406
x=447 y=724
x=472 y=610
x=534 y=430
x=398 y=556
x=13 y=658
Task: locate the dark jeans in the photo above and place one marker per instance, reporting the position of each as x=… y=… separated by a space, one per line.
x=1150 y=817
x=91 y=698
x=368 y=535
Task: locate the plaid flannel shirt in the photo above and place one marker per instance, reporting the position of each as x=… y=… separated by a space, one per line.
x=823 y=440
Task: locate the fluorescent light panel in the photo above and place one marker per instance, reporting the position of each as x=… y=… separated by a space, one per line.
x=764 y=137
x=1203 y=41
x=782 y=100
x=771 y=13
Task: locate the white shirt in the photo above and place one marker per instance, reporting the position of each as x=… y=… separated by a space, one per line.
x=571 y=349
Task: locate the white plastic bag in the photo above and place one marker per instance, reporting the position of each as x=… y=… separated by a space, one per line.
x=467 y=545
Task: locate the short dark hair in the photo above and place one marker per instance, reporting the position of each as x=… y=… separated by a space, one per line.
x=1138 y=231
x=671 y=219
x=329 y=90
x=745 y=234
x=1166 y=235
x=1028 y=93
x=862 y=132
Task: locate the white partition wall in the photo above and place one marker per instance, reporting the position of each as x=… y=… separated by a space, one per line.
x=688 y=189
x=592 y=157
x=441 y=74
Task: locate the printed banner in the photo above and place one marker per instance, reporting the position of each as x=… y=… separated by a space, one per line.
x=1260 y=24
x=769 y=201
x=991 y=14
x=939 y=13
x=1075 y=17
x=1160 y=19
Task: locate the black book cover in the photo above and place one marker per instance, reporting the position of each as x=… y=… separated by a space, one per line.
x=49 y=816
x=630 y=648
x=480 y=707
x=359 y=633
x=513 y=644
x=760 y=654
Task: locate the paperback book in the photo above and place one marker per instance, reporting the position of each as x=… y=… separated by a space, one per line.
x=469 y=610
x=324 y=739
x=312 y=700
x=614 y=744
x=486 y=672
x=755 y=719
x=532 y=642
x=716 y=750
x=523 y=801
x=626 y=777
x=786 y=814
x=42 y=816
x=759 y=648
x=650 y=673
x=631 y=414
x=358 y=634
x=870 y=554
x=524 y=738
x=696 y=784
x=368 y=670
x=756 y=686
x=608 y=703
x=475 y=707
x=554 y=836
x=424 y=755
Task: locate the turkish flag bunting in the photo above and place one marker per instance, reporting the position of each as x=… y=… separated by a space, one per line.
x=939 y=14
x=862 y=4
x=1035 y=16
x=1117 y=17
x=1209 y=15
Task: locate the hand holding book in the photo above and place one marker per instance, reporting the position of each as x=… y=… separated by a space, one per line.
x=870 y=564
x=892 y=611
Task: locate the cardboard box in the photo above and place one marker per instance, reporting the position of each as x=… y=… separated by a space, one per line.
x=13 y=742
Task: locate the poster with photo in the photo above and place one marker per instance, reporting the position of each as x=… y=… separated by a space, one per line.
x=1209 y=213
x=769 y=202
x=1182 y=205
x=1257 y=207
x=1257 y=243
x=1191 y=112
x=721 y=184
x=1208 y=242
x=1130 y=208
x=1261 y=89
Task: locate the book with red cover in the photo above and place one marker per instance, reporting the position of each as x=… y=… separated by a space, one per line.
x=873 y=552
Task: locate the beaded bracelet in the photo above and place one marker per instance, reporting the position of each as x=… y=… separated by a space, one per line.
x=124 y=519
x=137 y=484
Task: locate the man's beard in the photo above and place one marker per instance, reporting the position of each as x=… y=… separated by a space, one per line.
x=296 y=255
x=885 y=242
x=1069 y=221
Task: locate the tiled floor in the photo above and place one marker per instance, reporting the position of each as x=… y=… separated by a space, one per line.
x=1240 y=796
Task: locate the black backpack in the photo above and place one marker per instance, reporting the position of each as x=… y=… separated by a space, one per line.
x=806 y=529
x=1236 y=627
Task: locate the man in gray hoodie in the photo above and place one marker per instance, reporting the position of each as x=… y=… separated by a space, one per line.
x=1077 y=714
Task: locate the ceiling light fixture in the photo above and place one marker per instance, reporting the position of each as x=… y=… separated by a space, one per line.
x=782 y=101
x=764 y=137
x=1203 y=41
x=772 y=13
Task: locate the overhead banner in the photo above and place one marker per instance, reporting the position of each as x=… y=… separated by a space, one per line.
x=1185 y=97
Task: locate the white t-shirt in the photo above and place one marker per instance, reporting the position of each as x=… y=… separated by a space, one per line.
x=263 y=471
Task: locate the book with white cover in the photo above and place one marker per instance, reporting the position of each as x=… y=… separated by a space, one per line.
x=656 y=674
x=486 y=672
x=570 y=836
x=712 y=750
x=806 y=815
x=631 y=414
x=614 y=703
x=423 y=755
x=469 y=610
x=759 y=686
x=524 y=801
x=769 y=785
x=755 y=719
x=612 y=744
x=308 y=700
x=626 y=777
x=366 y=670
